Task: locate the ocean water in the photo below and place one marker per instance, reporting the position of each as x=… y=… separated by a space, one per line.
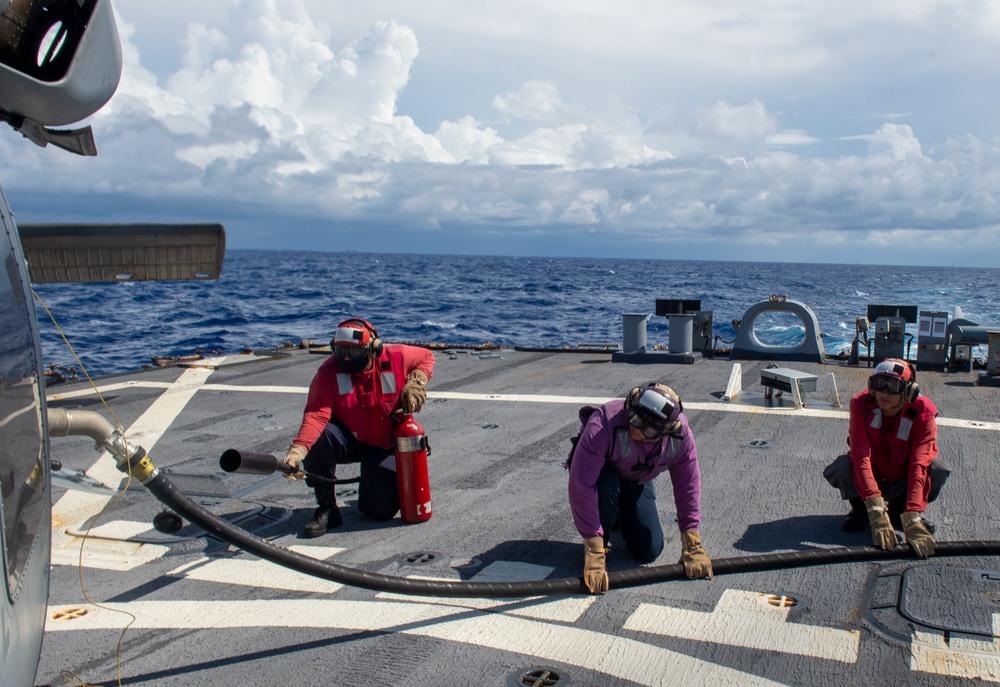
x=265 y=298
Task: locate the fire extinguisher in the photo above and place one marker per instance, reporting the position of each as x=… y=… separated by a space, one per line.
x=412 y=478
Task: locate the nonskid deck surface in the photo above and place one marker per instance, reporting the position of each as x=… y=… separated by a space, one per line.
x=199 y=611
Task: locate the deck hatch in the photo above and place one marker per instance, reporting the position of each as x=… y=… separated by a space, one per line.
x=949 y=598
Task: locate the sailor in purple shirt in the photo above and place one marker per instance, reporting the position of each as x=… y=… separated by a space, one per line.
x=623 y=446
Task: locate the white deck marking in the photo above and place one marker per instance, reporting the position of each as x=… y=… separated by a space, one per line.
x=104 y=554
x=958 y=656
x=75 y=505
x=560 y=609
x=625 y=659
x=741 y=620
x=544 y=398
x=254 y=572
x=552 y=609
x=118 y=530
x=84 y=392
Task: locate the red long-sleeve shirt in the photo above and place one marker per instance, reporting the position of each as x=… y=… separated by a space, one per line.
x=903 y=446
x=373 y=423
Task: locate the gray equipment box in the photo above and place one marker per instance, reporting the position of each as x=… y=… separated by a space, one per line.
x=782 y=378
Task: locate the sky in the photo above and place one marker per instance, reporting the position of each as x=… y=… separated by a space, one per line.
x=838 y=132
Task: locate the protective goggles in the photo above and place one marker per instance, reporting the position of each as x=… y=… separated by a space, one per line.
x=893 y=385
x=649 y=430
x=349 y=352
x=651 y=414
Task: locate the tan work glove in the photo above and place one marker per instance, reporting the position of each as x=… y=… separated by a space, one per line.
x=696 y=561
x=883 y=536
x=595 y=572
x=414 y=392
x=293 y=459
x=917 y=535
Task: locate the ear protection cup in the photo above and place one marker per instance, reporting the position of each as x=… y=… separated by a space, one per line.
x=375 y=346
x=911 y=391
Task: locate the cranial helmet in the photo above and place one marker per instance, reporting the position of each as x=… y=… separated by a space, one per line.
x=654 y=409
x=355 y=344
x=896 y=377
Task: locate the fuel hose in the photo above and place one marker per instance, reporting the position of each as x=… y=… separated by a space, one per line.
x=135 y=461
x=163 y=489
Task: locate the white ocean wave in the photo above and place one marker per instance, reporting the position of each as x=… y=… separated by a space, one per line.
x=438 y=325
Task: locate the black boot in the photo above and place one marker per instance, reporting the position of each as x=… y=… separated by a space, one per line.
x=857 y=518
x=326 y=517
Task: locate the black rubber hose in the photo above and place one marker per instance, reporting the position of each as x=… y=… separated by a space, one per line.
x=164 y=490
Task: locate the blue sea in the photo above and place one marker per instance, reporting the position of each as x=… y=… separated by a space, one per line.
x=266 y=298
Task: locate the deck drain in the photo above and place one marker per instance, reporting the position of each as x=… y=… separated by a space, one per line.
x=760 y=443
x=778 y=600
x=420 y=557
x=167 y=522
x=538 y=676
x=69 y=614
x=491 y=426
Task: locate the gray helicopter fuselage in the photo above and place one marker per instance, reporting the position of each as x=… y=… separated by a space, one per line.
x=25 y=507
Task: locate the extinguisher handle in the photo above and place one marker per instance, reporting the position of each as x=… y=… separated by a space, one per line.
x=399 y=415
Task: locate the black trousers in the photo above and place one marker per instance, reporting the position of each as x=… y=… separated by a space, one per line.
x=633 y=508
x=839 y=475
x=378 y=495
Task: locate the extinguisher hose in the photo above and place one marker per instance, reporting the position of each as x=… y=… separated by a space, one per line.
x=163 y=489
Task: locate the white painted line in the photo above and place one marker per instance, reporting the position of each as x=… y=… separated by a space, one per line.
x=739 y=619
x=258 y=574
x=118 y=530
x=695 y=405
x=543 y=398
x=80 y=393
x=520 y=398
x=302 y=390
x=556 y=609
x=967 y=424
x=76 y=505
x=103 y=554
x=958 y=656
x=621 y=658
x=545 y=608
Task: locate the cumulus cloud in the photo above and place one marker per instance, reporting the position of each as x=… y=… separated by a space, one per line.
x=537 y=100
x=267 y=106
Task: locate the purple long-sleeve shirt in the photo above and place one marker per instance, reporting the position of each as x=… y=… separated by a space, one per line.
x=639 y=461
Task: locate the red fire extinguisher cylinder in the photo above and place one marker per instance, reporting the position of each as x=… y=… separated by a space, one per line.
x=412 y=477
